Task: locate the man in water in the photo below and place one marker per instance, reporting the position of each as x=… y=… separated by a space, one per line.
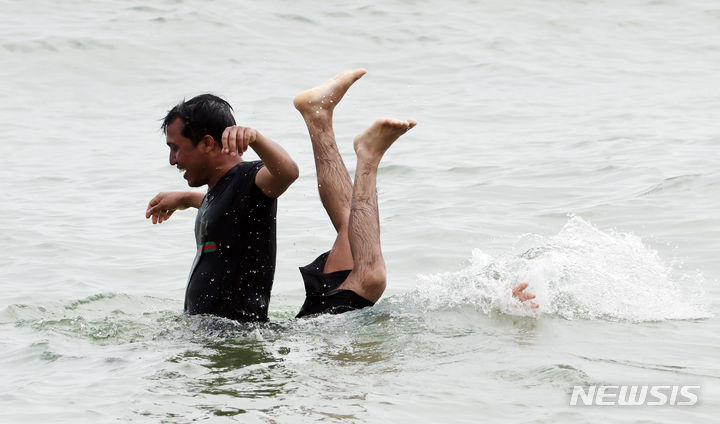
x=234 y=267
x=352 y=274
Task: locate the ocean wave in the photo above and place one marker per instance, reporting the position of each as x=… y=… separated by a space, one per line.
x=580 y=273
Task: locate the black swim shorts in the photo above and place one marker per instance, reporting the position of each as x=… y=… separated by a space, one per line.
x=322 y=295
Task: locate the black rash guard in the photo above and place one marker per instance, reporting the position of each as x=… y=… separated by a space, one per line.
x=233 y=271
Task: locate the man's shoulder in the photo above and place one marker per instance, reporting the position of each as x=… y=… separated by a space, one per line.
x=248 y=168
x=244 y=177
x=243 y=172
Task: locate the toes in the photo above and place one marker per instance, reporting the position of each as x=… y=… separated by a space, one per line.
x=358 y=73
x=396 y=124
x=354 y=74
x=392 y=122
x=386 y=122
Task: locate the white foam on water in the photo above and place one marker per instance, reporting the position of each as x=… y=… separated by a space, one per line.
x=582 y=272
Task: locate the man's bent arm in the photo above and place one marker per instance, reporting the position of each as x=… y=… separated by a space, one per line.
x=280 y=170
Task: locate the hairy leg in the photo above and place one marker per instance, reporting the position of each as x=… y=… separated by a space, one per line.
x=368 y=274
x=334 y=185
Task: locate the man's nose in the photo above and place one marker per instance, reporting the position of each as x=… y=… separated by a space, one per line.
x=173 y=161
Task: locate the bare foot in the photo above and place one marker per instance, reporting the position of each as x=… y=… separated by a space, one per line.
x=319 y=102
x=375 y=140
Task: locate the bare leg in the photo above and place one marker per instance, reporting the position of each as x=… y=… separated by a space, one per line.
x=368 y=274
x=334 y=185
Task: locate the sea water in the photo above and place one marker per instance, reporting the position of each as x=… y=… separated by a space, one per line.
x=570 y=144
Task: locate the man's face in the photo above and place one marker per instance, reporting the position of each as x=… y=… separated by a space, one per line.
x=187 y=157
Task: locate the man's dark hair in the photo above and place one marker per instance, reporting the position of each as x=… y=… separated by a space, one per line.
x=201 y=115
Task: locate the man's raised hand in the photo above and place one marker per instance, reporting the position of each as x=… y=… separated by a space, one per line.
x=237 y=139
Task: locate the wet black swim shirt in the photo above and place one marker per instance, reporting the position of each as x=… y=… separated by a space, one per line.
x=233 y=271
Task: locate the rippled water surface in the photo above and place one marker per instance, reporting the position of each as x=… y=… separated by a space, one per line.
x=571 y=144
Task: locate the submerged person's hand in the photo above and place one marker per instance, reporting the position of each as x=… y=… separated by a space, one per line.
x=237 y=139
x=164 y=204
x=519 y=294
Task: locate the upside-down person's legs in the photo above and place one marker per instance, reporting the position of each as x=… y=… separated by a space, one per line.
x=334 y=185
x=368 y=273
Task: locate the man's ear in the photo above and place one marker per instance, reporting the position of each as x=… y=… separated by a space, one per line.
x=207 y=143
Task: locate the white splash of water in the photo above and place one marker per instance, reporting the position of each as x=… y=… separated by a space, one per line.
x=582 y=272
